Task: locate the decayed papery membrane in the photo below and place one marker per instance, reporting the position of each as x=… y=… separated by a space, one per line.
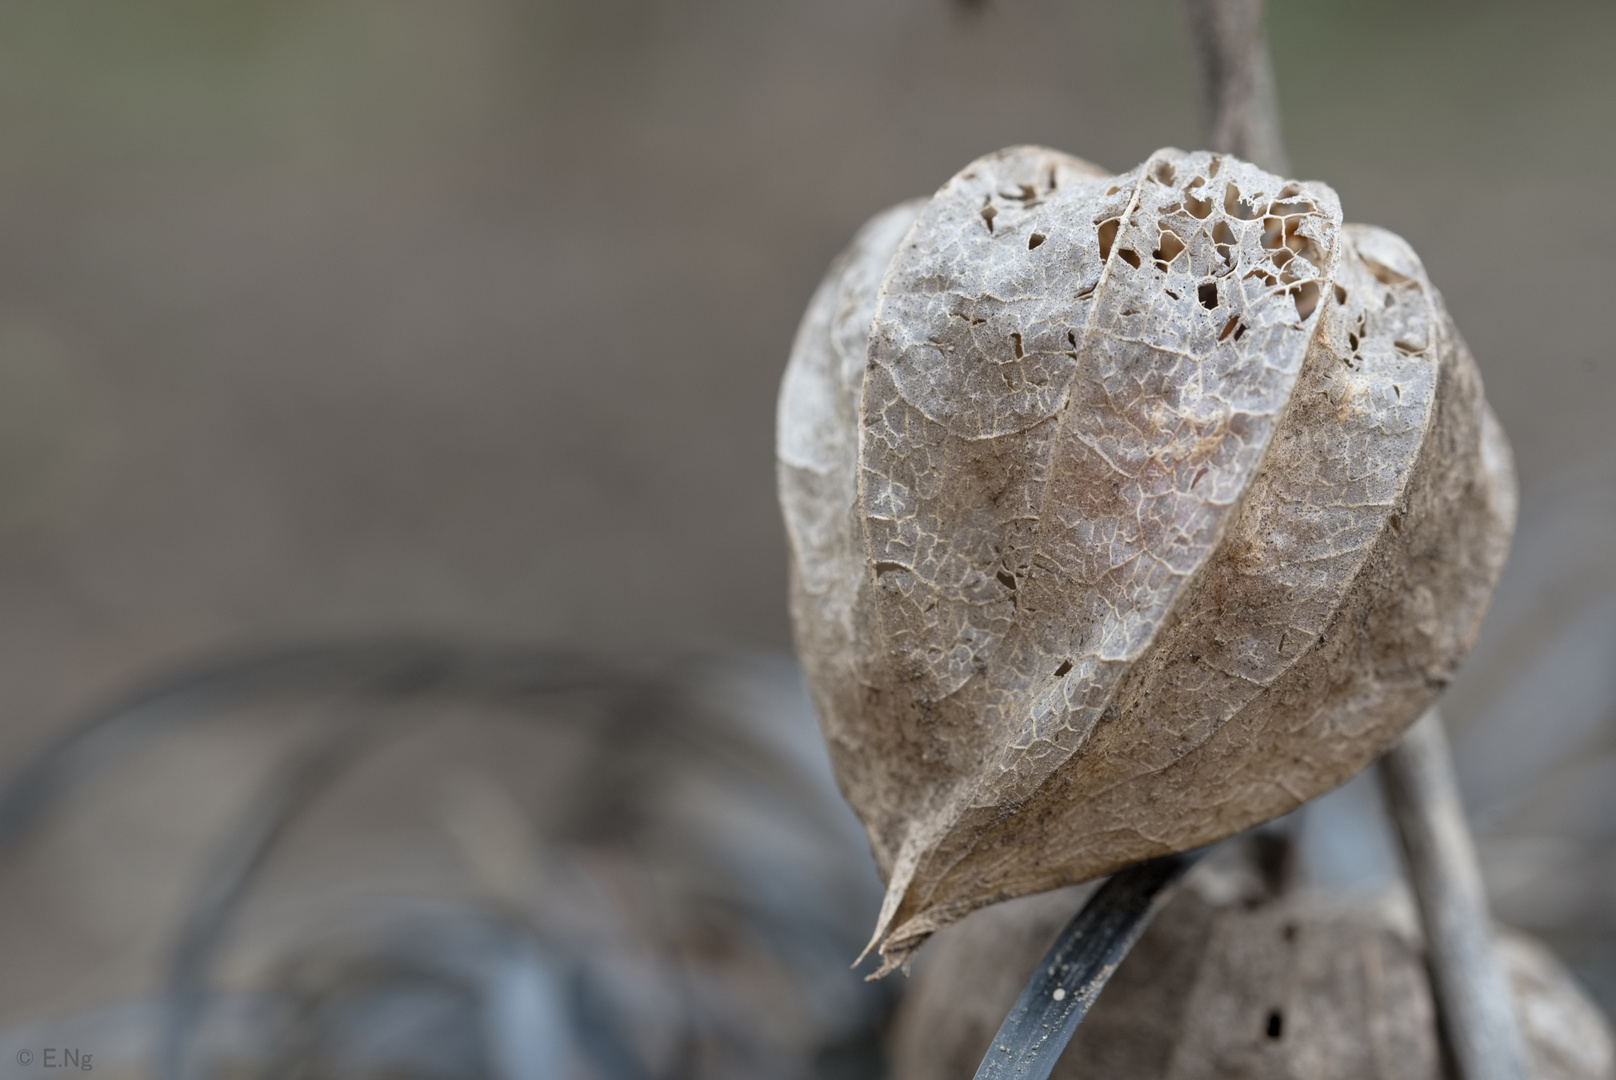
x=1126 y=512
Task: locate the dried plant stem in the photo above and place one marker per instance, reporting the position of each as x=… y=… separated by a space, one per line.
x=1241 y=115
x=1077 y=967
x=1472 y=990
x=1239 y=106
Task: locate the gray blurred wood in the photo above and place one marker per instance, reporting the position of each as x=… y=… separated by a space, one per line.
x=1239 y=104
x=1471 y=987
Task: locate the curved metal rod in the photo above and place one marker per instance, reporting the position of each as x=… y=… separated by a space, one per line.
x=1074 y=971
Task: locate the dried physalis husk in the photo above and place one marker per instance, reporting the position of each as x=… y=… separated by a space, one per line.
x=1126 y=512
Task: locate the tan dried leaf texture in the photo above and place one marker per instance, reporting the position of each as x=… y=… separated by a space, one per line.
x=1125 y=512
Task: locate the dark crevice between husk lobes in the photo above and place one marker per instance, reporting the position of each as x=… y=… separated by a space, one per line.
x=1160 y=525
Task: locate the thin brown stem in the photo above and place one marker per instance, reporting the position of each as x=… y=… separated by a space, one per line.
x=1239 y=105
x=1241 y=116
x=1472 y=988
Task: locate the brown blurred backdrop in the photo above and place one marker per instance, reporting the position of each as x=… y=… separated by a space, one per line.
x=330 y=317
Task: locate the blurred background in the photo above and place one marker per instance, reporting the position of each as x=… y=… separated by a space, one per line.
x=340 y=321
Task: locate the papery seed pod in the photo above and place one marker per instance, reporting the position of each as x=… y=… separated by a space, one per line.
x=1126 y=512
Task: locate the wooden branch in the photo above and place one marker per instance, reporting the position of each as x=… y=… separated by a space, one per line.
x=1239 y=105
x=1474 y=1000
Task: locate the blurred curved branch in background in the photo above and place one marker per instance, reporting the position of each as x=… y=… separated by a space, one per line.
x=702 y=801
